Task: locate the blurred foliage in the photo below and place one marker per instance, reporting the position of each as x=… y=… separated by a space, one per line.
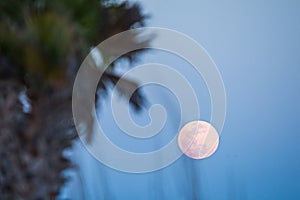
x=42 y=43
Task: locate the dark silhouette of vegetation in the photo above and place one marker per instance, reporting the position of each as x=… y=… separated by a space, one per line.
x=42 y=43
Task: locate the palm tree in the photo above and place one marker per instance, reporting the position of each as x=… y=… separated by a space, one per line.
x=42 y=43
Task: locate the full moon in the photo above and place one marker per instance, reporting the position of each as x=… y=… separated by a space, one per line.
x=198 y=139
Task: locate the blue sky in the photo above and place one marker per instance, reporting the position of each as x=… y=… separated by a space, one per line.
x=256 y=46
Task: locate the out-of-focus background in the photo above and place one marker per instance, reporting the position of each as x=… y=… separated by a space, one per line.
x=256 y=47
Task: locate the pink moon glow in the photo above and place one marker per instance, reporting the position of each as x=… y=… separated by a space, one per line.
x=198 y=139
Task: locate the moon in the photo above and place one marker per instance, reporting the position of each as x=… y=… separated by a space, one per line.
x=198 y=139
